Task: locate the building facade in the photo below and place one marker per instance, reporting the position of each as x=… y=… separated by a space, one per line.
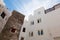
x=13 y=26
x=4 y=15
x=42 y=25
x=10 y=23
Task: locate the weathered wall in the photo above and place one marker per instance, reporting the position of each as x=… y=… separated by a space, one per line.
x=12 y=28
x=4 y=20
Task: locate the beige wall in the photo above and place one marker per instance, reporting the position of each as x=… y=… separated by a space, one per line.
x=50 y=23
x=39 y=13
x=4 y=20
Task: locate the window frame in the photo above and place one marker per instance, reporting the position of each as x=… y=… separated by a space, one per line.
x=3 y=15
x=22 y=38
x=42 y=32
x=32 y=22
x=24 y=29
x=39 y=20
x=39 y=32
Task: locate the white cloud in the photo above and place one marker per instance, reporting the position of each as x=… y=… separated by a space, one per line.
x=29 y=7
x=34 y=4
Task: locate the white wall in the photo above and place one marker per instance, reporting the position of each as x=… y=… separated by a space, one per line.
x=50 y=23
x=39 y=13
x=3 y=21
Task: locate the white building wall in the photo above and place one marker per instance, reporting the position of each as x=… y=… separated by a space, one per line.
x=7 y=15
x=39 y=13
x=52 y=21
x=4 y=20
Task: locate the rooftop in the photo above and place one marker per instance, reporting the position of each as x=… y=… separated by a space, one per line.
x=53 y=8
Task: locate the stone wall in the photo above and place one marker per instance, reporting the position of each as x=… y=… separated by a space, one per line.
x=13 y=26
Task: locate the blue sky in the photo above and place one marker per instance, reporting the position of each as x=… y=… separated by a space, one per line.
x=27 y=7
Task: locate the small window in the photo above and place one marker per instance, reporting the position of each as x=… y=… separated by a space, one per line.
x=32 y=23
x=39 y=20
x=3 y=15
x=13 y=30
x=30 y=34
x=24 y=29
x=39 y=12
x=41 y=32
x=22 y=38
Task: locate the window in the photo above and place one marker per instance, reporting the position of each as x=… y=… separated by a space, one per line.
x=39 y=32
x=13 y=30
x=39 y=12
x=3 y=15
x=24 y=29
x=22 y=38
x=30 y=34
x=32 y=22
x=39 y=20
